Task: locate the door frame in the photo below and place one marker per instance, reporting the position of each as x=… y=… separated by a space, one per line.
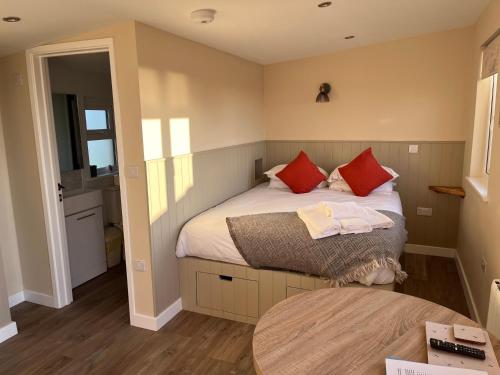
x=48 y=162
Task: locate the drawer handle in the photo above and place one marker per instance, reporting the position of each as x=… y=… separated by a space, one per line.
x=226 y=278
x=84 y=217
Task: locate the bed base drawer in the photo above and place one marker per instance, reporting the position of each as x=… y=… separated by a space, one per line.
x=240 y=293
x=227 y=294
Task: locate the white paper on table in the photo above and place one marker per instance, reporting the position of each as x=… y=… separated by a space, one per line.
x=397 y=367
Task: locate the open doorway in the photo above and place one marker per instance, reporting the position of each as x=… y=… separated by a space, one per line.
x=82 y=107
x=90 y=143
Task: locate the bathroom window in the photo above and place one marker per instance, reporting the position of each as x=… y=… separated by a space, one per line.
x=101 y=141
x=96 y=119
x=102 y=154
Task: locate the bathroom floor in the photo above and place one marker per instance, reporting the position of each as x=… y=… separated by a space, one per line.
x=93 y=335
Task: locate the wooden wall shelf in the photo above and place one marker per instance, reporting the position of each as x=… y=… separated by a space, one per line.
x=457 y=191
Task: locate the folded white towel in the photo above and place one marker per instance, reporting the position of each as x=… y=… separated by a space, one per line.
x=378 y=220
x=350 y=210
x=318 y=222
x=354 y=226
x=330 y=218
x=344 y=210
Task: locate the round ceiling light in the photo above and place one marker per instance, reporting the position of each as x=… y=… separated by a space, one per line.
x=349 y=37
x=203 y=16
x=11 y=19
x=324 y=4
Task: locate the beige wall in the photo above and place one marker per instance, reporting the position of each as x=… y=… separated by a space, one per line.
x=220 y=98
x=23 y=172
x=478 y=234
x=220 y=94
x=412 y=89
x=9 y=249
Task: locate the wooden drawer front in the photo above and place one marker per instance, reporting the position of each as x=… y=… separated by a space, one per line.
x=208 y=291
x=291 y=291
x=229 y=294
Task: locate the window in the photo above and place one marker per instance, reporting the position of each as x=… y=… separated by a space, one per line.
x=101 y=153
x=100 y=140
x=491 y=122
x=483 y=127
x=96 y=119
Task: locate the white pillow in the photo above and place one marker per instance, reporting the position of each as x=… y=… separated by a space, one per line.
x=341 y=185
x=336 y=176
x=276 y=182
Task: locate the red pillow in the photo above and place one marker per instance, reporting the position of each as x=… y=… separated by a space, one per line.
x=301 y=175
x=364 y=173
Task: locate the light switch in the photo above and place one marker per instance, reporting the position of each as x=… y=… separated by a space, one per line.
x=424 y=211
x=140 y=265
x=413 y=149
x=132 y=171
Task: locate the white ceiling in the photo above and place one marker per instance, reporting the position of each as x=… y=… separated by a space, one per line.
x=264 y=31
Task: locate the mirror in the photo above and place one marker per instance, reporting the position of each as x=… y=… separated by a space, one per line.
x=67 y=127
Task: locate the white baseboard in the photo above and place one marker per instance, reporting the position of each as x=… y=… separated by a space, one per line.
x=446 y=252
x=39 y=298
x=16 y=299
x=7 y=331
x=155 y=323
x=467 y=290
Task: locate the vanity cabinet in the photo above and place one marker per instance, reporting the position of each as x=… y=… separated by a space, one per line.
x=86 y=246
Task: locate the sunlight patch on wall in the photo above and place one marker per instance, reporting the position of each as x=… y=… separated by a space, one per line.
x=152 y=139
x=180 y=140
x=180 y=148
x=157 y=189
x=155 y=168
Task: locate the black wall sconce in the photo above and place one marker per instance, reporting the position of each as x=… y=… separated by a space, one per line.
x=324 y=90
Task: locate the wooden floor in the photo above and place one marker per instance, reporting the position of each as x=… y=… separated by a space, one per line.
x=93 y=335
x=435 y=279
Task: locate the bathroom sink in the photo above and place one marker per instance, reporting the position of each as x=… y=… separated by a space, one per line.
x=80 y=200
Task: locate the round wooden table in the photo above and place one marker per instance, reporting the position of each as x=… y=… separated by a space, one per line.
x=346 y=331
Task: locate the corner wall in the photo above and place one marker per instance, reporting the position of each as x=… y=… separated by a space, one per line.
x=478 y=233
x=24 y=178
x=125 y=48
x=23 y=166
x=9 y=249
x=202 y=113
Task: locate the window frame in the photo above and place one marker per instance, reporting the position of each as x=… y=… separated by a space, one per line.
x=98 y=134
x=491 y=125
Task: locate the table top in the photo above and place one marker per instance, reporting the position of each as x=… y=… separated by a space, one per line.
x=346 y=331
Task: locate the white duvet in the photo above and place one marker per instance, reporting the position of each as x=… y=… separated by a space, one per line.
x=207 y=236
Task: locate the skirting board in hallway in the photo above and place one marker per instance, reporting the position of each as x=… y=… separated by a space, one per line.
x=31 y=296
x=154 y=324
x=16 y=299
x=7 y=331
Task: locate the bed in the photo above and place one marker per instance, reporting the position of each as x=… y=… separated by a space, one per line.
x=216 y=280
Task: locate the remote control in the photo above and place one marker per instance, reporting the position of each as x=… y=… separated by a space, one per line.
x=458 y=349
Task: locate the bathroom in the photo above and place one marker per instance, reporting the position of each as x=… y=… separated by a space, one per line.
x=83 y=114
